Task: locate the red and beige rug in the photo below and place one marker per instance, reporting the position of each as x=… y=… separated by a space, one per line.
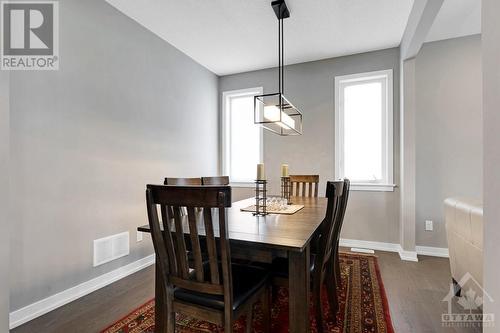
x=363 y=307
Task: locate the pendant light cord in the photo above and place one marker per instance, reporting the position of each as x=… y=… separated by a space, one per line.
x=279 y=55
x=282 y=59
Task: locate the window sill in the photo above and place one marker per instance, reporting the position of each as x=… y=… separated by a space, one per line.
x=369 y=187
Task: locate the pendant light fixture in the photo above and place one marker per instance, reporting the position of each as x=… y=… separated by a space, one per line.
x=273 y=111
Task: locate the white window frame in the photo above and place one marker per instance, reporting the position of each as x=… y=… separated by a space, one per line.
x=226 y=132
x=387 y=185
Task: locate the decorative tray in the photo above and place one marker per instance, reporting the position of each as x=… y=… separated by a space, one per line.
x=289 y=210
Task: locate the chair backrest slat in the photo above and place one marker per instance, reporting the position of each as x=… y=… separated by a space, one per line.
x=306 y=183
x=219 y=180
x=170 y=246
x=157 y=233
x=169 y=242
x=211 y=247
x=181 y=253
x=195 y=244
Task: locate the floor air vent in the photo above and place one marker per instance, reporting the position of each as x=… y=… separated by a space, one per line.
x=110 y=248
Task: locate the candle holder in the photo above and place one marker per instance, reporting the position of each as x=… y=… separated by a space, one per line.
x=286 y=189
x=260 y=198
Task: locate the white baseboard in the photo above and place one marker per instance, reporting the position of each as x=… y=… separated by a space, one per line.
x=394 y=247
x=378 y=246
x=408 y=255
x=37 y=309
x=433 y=251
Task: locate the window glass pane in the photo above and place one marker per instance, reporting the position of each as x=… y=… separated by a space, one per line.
x=245 y=140
x=363 y=132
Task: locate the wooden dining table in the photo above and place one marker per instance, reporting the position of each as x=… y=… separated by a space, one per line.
x=263 y=239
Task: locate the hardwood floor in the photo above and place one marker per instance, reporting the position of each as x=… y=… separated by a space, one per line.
x=414 y=290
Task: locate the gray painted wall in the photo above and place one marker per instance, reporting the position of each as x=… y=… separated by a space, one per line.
x=491 y=123
x=448 y=130
x=125 y=109
x=310 y=86
x=4 y=201
x=240 y=193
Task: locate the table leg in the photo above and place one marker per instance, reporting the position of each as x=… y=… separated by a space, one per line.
x=298 y=266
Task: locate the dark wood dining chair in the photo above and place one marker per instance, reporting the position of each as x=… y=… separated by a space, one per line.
x=335 y=260
x=214 y=290
x=219 y=180
x=304 y=185
x=321 y=270
x=182 y=181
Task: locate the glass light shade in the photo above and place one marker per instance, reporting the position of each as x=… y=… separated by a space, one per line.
x=276 y=114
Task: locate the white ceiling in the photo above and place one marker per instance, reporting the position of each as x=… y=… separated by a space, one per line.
x=456 y=18
x=231 y=36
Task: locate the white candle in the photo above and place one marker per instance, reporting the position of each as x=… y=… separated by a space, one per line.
x=284 y=170
x=261 y=174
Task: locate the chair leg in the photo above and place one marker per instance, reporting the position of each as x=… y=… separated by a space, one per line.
x=266 y=309
x=228 y=326
x=274 y=292
x=317 y=303
x=334 y=270
x=336 y=262
x=249 y=320
x=170 y=314
x=171 y=322
x=331 y=286
x=457 y=290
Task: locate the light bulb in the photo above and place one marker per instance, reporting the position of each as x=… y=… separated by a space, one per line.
x=272 y=113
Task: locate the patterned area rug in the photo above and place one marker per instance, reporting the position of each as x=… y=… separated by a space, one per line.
x=363 y=307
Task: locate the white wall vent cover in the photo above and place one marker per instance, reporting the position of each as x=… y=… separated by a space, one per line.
x=110 y=248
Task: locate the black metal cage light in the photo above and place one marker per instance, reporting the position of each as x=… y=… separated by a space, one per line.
x=273 y=111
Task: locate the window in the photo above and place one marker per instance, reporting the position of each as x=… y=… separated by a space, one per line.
x=241 y=138
x=364 y=129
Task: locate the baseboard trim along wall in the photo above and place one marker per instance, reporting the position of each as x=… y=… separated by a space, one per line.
x=394 y=247
x=37 y=309
x=433 y=251
x=378 y=246
x=408 y=255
